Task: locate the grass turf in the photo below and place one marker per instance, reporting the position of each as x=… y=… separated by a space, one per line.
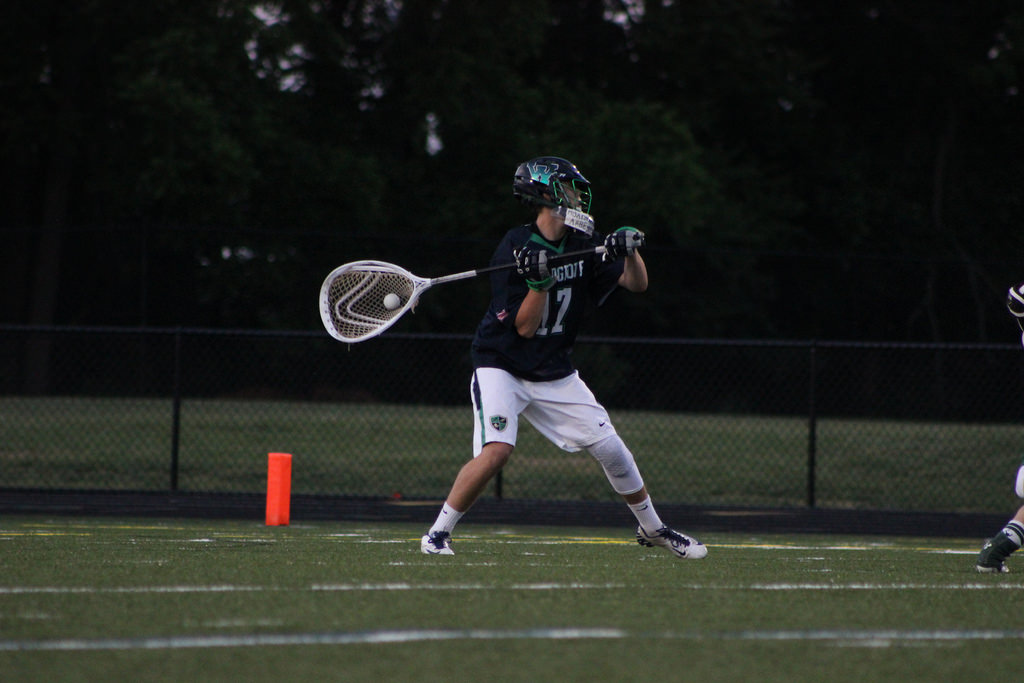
x=168 y=600
x=350 y=449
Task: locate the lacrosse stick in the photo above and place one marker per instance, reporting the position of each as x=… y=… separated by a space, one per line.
x=355 y=297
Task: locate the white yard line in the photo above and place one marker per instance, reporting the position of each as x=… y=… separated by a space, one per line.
x=874 y=638
x=332 y=587
x=88 y=590
x=404 y=586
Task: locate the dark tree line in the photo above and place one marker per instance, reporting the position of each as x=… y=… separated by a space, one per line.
x=843 y=170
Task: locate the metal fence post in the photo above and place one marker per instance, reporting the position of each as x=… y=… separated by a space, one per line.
x=812 y=423
x=176 y=411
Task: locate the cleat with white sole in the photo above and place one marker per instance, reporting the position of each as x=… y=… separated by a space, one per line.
x=437 y=543
x=679 y=544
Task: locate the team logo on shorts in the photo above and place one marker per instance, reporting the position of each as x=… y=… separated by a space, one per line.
x=499 y=422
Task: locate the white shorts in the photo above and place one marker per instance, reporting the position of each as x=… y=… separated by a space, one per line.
x=563 y=410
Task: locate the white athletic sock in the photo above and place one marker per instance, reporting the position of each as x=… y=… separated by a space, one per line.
x=645 y=514
x=446 y=519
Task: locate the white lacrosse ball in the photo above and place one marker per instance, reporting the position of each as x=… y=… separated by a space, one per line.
x=391 y=301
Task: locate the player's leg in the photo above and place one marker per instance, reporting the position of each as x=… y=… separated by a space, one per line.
x=470 y=482
x=476 y=474
x=620 y=467
x=567 y=413
x=497 y=400
x=992 y=557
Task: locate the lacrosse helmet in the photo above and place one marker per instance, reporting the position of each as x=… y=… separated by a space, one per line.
x=553 y=182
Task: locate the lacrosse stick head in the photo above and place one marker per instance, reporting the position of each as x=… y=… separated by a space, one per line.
x=352 y=305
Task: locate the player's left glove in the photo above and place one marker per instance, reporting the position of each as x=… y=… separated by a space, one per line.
x=623 y=242
x=532 y=264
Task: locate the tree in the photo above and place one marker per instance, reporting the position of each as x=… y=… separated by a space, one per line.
x=847 y=172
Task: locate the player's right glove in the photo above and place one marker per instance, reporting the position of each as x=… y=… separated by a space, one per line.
x=532 y=264
x=623 y=242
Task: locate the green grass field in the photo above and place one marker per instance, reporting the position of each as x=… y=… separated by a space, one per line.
x=176 y=600
x=380 y=449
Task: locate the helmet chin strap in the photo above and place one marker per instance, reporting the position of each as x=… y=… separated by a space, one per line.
x=577 y=220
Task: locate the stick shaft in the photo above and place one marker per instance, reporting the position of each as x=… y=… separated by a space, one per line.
x=557 y=258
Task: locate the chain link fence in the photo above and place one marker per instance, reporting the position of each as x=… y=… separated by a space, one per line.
x=913 y=427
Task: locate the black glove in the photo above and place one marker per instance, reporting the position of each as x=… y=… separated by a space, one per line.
x=623 y=242
x=532 y=264
x=1015 y=300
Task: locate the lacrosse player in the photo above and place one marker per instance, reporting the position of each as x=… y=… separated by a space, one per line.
x=521 y=351
x=991 y=559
